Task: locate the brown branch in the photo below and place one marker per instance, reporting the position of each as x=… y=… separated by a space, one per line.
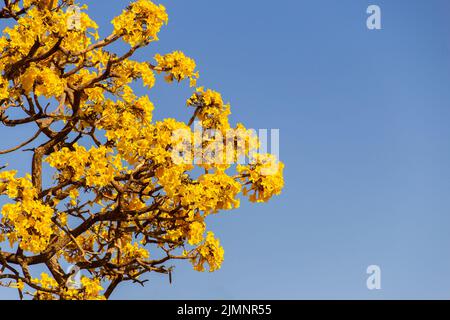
x=34 y=137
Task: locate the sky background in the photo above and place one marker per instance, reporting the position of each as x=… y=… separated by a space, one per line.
x=364 y=125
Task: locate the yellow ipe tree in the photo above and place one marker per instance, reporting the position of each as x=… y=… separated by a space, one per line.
x=110 y=192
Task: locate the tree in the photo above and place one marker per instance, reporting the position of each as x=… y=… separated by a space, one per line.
x=111 y=192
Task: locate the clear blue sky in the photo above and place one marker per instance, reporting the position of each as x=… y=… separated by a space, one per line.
x=364 y=119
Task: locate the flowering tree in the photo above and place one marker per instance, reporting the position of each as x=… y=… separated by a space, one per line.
x=110 y=191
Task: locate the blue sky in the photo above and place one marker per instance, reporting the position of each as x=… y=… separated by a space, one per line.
x=364 y=121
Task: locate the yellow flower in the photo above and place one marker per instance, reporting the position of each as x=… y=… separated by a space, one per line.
x=140 y=22
x=263 y=177
x=128 y=182
x=178 y=67
x=196 y=231
x=92 y=288
x=209 y=252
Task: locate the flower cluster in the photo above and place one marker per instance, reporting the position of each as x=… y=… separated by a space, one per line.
x=263 y=177
x=90 y=289
x=140 y=22
x=210 y=193
x=98 y=166
x=210 y=252
x=178 y=67
x=29 y=220
x=109 y=184
x=213 y=112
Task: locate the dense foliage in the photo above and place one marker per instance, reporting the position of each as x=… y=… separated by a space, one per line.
x=124 y=198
